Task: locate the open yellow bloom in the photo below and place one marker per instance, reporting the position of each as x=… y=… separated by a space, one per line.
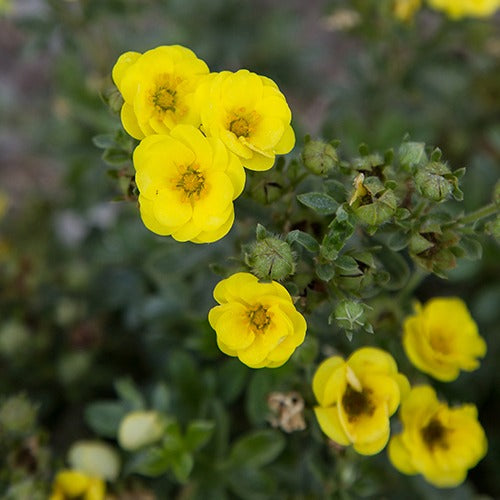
x=466 y=8
x=158 y=89
x=257 y=322
x=441 y=338
x=249 y=113
x=187 y=184
x=70 y=484
x=356 y=398
x=439 y=442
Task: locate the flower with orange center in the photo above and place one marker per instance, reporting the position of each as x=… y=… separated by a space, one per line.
x=441 y=338
x=437 y=441
x=249 y=113
x=158 y=89
x=187 y=184
x=356 y=398
x=257 y=322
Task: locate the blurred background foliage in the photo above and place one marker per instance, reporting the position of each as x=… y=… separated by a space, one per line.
x=90 y=300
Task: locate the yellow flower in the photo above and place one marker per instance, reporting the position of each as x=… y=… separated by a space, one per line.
x=257 y=322
x=441 y=339
x=463 y=8
x=404 y=10
x=158 y=89
x=356 y=398
x=187 y=184
x=439 y=442
x=70 y=484
x=249 y=113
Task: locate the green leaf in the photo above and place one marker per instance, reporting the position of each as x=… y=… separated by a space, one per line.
x=261 y=232
x=152 y=462
x=325 y=271
x=396 y=266
x=253 y=484
x=303 y=239
x=104 y=141
x=336 y=190
x=182 y=465
x=198 y=433
x=257 y=449
x=256 y=403
x=338 y=233
x=348 y=265
x=399 y=240
x=319 y=202
x=113 y=156
x=104 y=417
x=472 y=248
x=128 y=392
x=160 y=398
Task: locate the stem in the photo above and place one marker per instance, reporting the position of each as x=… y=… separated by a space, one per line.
x=480 y=213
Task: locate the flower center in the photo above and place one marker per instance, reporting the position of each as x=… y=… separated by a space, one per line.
x=191 y=182
x=259 y=319
x=164 y=99
x=240 y=127
x=357 y=403
x=434 y=434
x=439 y=342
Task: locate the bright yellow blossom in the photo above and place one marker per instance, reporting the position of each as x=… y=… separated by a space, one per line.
x=257 y=322
x=439 y=442
x=187 y=184
x=356 y=398
x=249 y=113
x=404 y=10
x=466 y=8
x=71 y=484
x=441 y=338
x=158 y=89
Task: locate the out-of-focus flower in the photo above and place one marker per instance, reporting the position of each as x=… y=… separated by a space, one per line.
x=187 y=185
x=249 y=114
x=95 y=458
x=441 y=338
x=466 y=8
x=140 y=428
x=404 y=10
x=71 y=484
x=439 y=442
x=356 y=398
x=257 y=322
x=158 y=89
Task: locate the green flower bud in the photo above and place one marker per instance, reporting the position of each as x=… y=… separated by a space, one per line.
x=140 y=428
x=435 y=181
x=271 y=258
x=17 y=416
x=412 y=154
x=319 y=157
x=350 y=315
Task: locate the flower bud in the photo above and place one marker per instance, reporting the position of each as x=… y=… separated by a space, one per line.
x=350 y=315
x=412 y=154
x=434 y=181
x=271 y=258
x=94 y=458
x=140 y=428
x=17 y=416
x=319 y=157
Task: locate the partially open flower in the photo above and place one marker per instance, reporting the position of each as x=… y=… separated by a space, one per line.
x=187 y=185
x=441 y=338
x=249 y=114
x=158 y=89
x=439 y=442
x=257 y=322
x=356 y=398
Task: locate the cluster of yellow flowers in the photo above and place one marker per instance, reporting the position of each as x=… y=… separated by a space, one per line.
x=258 y=323
x=197 y=131
x=356 y=397
x=455 y=9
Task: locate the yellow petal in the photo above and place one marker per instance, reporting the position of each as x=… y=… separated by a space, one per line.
x=372 y=447
x=72 y=482
x=258 y=162
x=400 y=456
x=321 y=377
x=192 y=138
x=129 y=121
x=329 y=422
x=215 y=234
x=232 y=328
x=122 y=65
x=170 y=210
x=96 y=490
x=287 y=141
x=150 y=221
x=372 y=359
